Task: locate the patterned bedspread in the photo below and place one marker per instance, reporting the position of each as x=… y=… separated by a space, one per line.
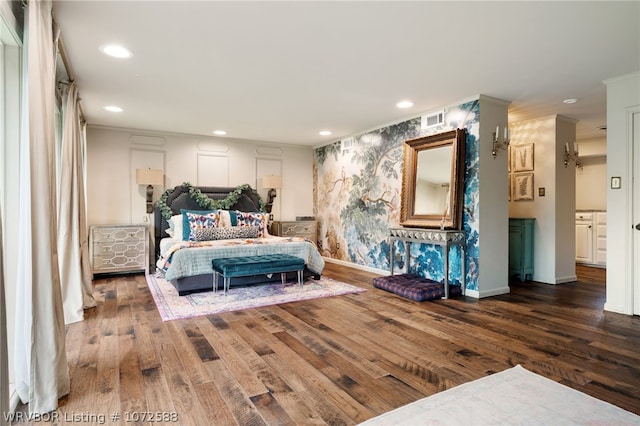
x=189 y=258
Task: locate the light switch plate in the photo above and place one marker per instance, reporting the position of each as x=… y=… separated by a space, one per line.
x=616 y=182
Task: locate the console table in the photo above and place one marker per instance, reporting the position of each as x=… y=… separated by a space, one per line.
x=443 y=238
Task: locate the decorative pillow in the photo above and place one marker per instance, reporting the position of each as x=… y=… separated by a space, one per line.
x=220 y=233
x=258 y=219
x=197 y=219
x=227 y=218
x=175 y=222
x=233 y=218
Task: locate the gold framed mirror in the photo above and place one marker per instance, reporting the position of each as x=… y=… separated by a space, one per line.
x=433 y=181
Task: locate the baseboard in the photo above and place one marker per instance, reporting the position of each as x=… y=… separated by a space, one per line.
x=617 y=309
x=356 y=266
x=489 y=293
x=569 y=279
x=593 y=265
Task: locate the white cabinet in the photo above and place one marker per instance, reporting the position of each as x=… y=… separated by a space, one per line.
x=591 y=238
x=601 y=238
x=584 y=237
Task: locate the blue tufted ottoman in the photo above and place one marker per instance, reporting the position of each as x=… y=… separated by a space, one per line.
x=244 y=266
x=414 y=287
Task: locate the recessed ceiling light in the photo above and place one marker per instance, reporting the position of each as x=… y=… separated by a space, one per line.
x=325 y=133
x=404 y=104
x=113 y=108
x=219 y=132
x=116 y=51
x=570 y=101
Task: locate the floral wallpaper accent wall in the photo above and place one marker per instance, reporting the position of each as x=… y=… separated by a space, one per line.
x=358 y=194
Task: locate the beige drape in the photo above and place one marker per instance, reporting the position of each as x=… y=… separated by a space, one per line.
x=4 y=367
x=42 y=374
x=73 y=248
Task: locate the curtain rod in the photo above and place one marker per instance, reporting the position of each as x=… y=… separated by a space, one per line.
x=67 y=67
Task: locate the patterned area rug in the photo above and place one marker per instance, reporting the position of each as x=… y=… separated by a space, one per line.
x=171 y=306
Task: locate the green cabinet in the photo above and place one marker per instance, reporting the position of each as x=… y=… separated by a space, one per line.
x=521 y=247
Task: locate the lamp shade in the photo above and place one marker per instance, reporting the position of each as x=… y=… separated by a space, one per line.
x=149 y=177
x=272 y=181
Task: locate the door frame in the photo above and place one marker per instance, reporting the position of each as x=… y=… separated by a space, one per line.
x=634 y=261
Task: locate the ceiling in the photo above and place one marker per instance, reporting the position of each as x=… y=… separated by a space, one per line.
x=283 y=71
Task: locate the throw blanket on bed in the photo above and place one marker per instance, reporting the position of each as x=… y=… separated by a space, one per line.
x=189 y=258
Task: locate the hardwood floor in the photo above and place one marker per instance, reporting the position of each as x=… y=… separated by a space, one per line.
x=340 y=360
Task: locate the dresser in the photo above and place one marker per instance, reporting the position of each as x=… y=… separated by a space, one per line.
x=118 y=248
x=295 y=228
x=521 y=231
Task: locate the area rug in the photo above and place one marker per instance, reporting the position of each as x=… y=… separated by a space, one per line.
x=512 y=397
x=171 y=306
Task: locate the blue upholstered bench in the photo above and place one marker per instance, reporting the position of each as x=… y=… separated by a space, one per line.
x=414 y=287
x=244 y=266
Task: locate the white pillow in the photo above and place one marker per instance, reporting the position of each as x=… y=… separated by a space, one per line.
x=225 y=218
x=175 y=227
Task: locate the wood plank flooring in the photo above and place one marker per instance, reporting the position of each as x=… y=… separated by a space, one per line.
x=339 y=360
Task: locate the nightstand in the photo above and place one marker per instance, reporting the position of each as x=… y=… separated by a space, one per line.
x=295 y=228
x=118 y=248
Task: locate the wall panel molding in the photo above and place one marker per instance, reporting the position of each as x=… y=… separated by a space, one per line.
x=147 y=140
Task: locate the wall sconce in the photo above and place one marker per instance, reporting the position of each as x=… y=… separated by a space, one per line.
x=568 y=156
x=149 y=177
x=499 y=144
x=273 y=183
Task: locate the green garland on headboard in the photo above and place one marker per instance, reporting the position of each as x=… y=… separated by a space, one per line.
x=206 y=202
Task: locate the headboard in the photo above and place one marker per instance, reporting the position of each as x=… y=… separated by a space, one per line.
x=179 y=198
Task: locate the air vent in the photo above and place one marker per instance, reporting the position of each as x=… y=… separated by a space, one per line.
x=432 y=120
x=346 y=144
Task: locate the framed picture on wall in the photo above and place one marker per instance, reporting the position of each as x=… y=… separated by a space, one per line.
x=522 y=157
x=522 y=189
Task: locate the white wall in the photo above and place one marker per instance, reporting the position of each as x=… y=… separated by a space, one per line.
x=565 y=210
x=493 y=241
x=113 y=196
x=554 y=235
x=623 y=95
x=591 y=176
x=591 y=184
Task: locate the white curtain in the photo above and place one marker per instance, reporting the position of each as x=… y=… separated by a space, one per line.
x=42 y=374
x=73 y=247
x=4 y=367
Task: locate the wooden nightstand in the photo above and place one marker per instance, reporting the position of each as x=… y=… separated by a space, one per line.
x=118 y=248
x=295 y=228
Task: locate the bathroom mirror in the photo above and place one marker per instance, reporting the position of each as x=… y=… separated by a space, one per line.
x=433 y=181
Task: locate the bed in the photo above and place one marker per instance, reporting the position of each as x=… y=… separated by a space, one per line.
x=186 y=262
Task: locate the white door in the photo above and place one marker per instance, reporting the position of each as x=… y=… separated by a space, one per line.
x=636 y=211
